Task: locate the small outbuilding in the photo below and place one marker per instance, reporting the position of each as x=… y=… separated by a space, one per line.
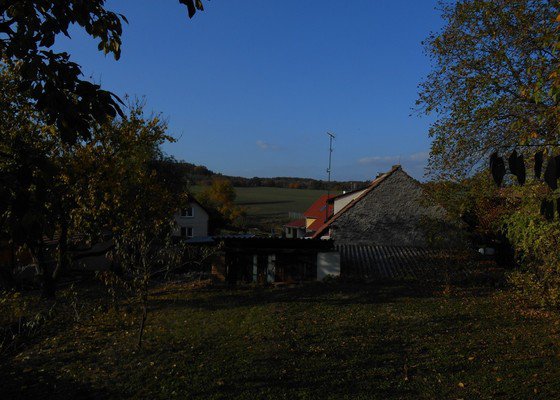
x=274 y=260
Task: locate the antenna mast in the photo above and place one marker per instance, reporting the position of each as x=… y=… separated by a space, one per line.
x=331 y=137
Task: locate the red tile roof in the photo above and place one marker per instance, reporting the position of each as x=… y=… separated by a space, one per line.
x=318 y=211
x=322 y=228
x=298 y=223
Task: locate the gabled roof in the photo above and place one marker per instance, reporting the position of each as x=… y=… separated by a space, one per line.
x=320 y=230
x=191 y=199
x=318 y=211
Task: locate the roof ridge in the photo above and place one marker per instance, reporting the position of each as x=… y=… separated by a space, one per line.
x=372 y=186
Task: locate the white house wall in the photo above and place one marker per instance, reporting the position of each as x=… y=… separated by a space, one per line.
x=341 y=201
x=198 y=222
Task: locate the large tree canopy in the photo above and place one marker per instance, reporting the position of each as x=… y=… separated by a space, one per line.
x=28 y=30
x=489 y=87
x=110 y=182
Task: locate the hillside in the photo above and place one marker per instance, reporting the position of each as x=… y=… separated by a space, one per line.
x=199 y=175
x=269 y=207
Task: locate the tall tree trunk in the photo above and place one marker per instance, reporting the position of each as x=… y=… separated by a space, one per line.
x=7 y=272
x=62 y=259
x=142 y=322
x=49 y=285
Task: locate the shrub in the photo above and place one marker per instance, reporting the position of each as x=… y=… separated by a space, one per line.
x=537 y=245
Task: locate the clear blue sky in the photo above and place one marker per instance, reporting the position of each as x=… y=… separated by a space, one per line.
x=250 y=87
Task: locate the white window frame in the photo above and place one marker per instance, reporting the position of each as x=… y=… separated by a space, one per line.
x=185 y=213
x=186 y=232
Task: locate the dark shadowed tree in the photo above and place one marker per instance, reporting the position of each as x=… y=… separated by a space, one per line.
x=30 y=196
x=48 y=112
x=486 y=88
x=495 y=90
x=51 y=189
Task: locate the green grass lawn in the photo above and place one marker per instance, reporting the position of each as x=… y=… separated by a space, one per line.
x=268 y=207
x=317 y=341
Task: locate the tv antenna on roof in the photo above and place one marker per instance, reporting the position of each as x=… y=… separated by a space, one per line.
x=331 y=137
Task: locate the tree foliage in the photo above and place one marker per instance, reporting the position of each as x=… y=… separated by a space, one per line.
x=107 y=184
x=119 y=189
x=475 y=200
x=489 y=88
x=28 y=31
x=116 y=181
x=32 y=191
x=219 y=199
x=537 y=242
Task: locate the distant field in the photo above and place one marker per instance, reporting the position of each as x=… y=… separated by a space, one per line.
x=268 y=207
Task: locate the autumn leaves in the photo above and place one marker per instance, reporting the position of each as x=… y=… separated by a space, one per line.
x=516 y=166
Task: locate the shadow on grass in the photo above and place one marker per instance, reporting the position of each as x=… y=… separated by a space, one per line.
x=297 y=373
x=34 y=383
x=387 y=359
x=335 y=294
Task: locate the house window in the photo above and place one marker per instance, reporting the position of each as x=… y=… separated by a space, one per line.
x=187 y=212
x=186 y=232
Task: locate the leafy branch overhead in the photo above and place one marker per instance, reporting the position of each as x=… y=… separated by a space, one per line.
x=192 y=6
x=28 y=30
x=489 y=88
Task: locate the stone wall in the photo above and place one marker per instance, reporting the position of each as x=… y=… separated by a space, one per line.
x=395 y=213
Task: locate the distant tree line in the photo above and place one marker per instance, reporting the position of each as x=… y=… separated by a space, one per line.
x=192 y=174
